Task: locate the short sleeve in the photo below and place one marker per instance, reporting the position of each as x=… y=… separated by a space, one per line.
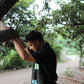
x=45 y=55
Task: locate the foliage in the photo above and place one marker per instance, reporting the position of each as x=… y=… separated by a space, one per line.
x=19 y=17
x=57 y=49
x=68 y=72
x=13 y=60
x=24 y=20
x=24 y=3
x=72 y=51
x=68 y=21
x=69 y=17
x=82 y=63
x=3 y=50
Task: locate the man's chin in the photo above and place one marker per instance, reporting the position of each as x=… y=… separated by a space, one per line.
x=35 y=50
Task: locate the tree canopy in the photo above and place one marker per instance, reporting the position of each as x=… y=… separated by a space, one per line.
x=67 y=21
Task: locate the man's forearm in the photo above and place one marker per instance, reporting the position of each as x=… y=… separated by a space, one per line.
x=19 y=41
x=20 y=47
x=23 y=50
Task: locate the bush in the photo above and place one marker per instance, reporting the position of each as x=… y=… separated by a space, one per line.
x=57 y=49
x=68 y=72
x=13 y=60
x=82 y=63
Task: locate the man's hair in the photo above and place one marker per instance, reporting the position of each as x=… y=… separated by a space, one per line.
x=34 y=35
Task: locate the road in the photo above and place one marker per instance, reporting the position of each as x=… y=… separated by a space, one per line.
x=23 y=76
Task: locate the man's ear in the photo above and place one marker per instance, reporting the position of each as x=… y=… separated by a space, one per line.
x=37 y=42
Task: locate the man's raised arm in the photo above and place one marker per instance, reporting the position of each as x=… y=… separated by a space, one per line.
x=22 y=50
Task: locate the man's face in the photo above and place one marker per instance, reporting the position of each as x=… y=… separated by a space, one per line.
x=33 y=45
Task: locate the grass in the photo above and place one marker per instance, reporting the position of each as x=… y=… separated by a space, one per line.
x=69 y=72
x=64 y=61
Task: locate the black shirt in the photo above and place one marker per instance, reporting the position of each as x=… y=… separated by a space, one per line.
x=44 y=69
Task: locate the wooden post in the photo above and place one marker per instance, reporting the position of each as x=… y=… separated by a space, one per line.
x=5 y=6
x=8 y=34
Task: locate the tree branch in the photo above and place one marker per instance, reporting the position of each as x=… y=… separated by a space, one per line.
x=73 y=41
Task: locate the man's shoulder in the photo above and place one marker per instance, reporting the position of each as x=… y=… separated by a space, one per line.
x=45 y=48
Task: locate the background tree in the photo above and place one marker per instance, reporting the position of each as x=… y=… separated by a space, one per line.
x=19 y=18
x=66 y=21
x=71 y=20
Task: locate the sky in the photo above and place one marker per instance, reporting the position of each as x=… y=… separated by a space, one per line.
x=53 y=3
x=39 y=4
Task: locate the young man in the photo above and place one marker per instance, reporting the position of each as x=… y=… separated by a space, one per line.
x=43 y=56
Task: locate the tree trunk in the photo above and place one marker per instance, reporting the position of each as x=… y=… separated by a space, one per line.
x=81 y=55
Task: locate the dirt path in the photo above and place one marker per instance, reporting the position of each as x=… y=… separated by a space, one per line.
x=23 y=76
x=73 y=67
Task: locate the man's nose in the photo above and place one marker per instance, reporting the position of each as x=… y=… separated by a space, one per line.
x=30 y=48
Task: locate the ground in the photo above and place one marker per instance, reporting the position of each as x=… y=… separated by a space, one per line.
x=76 y=75
x=23 y=76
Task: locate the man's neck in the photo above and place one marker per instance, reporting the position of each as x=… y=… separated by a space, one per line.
x=41 y=45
